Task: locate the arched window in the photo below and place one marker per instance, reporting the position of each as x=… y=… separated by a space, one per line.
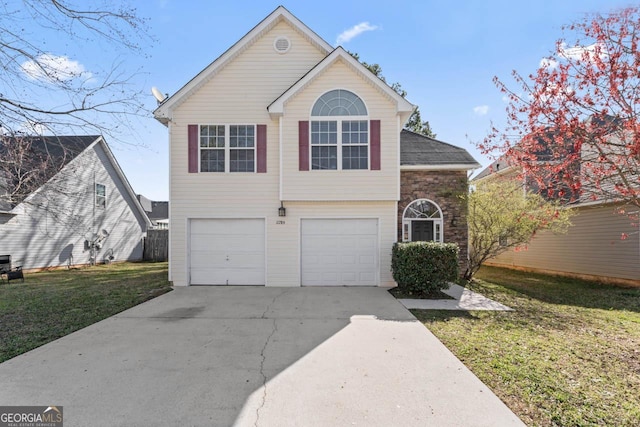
x=343 y=141
x=339 y=102
x=422 y=221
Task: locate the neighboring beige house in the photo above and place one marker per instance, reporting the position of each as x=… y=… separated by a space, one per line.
x=85 y=212
x=593 y=247
x=289 y=167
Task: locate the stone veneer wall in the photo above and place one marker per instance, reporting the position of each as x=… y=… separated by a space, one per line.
x=445 y=189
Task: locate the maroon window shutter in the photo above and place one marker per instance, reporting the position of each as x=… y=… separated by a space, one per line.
x=193 y=148
x=303 y=145
x=261 y=149
x=375 y=145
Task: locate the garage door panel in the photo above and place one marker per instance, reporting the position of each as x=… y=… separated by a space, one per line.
x=339 y=252
x=203 y=259
x=227 y=251
x=226 y=227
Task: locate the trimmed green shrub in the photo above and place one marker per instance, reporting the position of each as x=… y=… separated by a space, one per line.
x=424 y=267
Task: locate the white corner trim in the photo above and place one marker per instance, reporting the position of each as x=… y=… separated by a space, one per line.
x=447 y=167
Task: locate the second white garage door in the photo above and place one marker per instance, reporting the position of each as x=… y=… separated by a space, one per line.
x=339 y=252
x=227 y=251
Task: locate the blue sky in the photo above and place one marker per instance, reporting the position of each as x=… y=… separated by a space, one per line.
x=444 y=54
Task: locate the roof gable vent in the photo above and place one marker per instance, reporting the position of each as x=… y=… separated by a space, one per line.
x=281 y=44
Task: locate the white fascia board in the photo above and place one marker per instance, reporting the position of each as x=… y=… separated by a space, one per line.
x=403 y=107
x=494 y=174
x=450 y=167
x=124 y=180
x=163 y=112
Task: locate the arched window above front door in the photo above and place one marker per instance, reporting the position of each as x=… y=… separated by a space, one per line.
x=422 y=221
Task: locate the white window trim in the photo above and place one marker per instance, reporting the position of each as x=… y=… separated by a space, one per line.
x=95 y=195
x=227 y=147
x=339 y=120
x=438 y=226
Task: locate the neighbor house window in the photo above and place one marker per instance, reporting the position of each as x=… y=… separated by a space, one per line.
x=422 y=221
x=227 y=148
x=341 y=142
x=101 y=196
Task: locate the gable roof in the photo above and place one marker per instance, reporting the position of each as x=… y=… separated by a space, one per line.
x=54 y=152
x=162 y=113
x=421 y=152
x=159 y=210
x=276 y=108
x=498 y=166
x=63 y=150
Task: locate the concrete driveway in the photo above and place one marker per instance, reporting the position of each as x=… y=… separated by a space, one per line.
x=255 y=356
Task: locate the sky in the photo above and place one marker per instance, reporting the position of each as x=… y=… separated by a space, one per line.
x=444 y=54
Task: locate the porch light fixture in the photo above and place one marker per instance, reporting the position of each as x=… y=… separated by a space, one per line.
x=282 y=211
x=454 y=221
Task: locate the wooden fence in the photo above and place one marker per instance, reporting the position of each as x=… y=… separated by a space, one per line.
x=156 y=246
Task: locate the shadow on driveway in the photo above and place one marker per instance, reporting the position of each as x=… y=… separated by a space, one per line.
x=255 y=356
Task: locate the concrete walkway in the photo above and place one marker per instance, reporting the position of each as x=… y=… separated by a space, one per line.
x=255 y=356
x=464 y=299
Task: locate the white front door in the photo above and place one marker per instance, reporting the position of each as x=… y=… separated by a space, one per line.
x=227 y=252
x=339 y=252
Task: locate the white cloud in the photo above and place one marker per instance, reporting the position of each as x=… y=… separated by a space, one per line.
x=578 y=52
x=481 y=110
x=52 y=68
x=354 y=31
x=548 y=63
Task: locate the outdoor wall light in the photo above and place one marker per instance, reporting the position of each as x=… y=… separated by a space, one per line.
x=454 y=221
x=282 y=211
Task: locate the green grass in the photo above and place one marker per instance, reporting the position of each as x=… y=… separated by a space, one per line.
x=49 y=305
x=569 y=355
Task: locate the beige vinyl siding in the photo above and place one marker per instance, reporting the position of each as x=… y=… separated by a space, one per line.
x=55 y=221
x=592 y=246
x=348 y=184
x=239 y=93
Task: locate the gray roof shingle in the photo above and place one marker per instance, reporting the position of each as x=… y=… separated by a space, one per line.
x=420 y=150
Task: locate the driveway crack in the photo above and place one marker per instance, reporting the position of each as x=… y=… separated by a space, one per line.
x=263 y=357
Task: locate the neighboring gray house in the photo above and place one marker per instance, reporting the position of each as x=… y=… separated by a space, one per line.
x=158 y=212
x=85 y=212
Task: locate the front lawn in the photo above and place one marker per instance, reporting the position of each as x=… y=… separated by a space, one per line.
x=49 y=305
x=569 y=355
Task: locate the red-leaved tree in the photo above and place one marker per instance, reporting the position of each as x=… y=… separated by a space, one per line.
x=573 y=125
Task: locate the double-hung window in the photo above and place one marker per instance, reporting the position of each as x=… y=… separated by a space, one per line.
x=339 y=132
x=227 y=148
x=101 y=196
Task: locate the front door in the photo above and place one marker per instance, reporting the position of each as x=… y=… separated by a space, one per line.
x=422 y=231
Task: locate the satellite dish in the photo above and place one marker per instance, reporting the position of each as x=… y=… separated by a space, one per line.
x=158 y=95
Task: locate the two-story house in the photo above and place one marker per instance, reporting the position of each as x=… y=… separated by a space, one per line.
x=289 y=167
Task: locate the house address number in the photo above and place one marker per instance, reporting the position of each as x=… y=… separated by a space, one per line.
x=280 y=222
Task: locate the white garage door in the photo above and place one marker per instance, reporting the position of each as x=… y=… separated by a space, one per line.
x=227 y=251
x=339 y=252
